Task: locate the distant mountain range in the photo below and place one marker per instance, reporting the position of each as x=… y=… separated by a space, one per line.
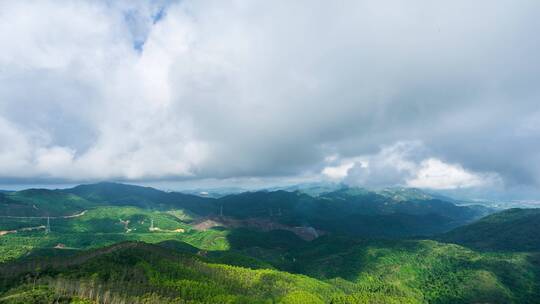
x=118 y=243
x=349 y=211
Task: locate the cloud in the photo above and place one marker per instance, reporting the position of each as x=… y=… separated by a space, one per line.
x=338 y=172
x=215 y=89
x=391 y=165
x=435 y=174
x=406 y=164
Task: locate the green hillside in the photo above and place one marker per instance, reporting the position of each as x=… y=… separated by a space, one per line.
x=508 y=230
x=114 y=243
x=435 y=272
x=328 y=270
x=41 y=202
x=347 y=211
x=141 y=273
x=145 y=197
x=354 y=211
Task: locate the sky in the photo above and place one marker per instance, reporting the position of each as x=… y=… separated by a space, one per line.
x=439 y=95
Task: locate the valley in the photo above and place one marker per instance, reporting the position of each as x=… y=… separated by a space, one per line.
x=129 y=244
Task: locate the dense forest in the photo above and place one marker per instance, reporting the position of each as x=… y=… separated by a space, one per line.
x=114 y=243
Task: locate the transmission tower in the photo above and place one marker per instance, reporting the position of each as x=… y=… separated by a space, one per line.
x=221 y=210
x=48 y=228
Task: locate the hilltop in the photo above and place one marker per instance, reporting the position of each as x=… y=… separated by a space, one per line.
x=349 y=245
x=348 y=211
x=270 y=267
x=508 y=230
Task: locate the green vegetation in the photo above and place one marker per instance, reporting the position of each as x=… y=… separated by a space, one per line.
x=346 y=211
x=428 y=271
x=136 y=272
x=509 y=230
x=104 y=226
x=17 y=245
x=354 y=211
x=41 y=202
x=117 y=220
x=112 y=243
x=329 y=270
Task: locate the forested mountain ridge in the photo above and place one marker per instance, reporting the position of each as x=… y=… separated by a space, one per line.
x=94 y=243
x=41 y=202
x=329 y=270
x=509 y=230
x=350 y=211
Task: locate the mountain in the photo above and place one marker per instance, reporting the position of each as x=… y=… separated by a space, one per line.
x=403 y=200
x=45 y=202
x=435 y=272
x=508 y=230
x=345 y=212
x=117 y=194
x=357 y=211
x=274 y=268
x=116 y=243
x=348 y=211
x=41 y=202
x=313 y=189
x=143 y=273
x=214 y=192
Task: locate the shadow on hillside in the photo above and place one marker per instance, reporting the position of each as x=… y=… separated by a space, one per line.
x=327 y=257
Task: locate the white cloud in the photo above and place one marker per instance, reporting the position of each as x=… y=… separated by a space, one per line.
x=338 y=172
x=435 y=174
x=80 y=103
x=15 y=150
x=403 y=164
x=251 y=88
